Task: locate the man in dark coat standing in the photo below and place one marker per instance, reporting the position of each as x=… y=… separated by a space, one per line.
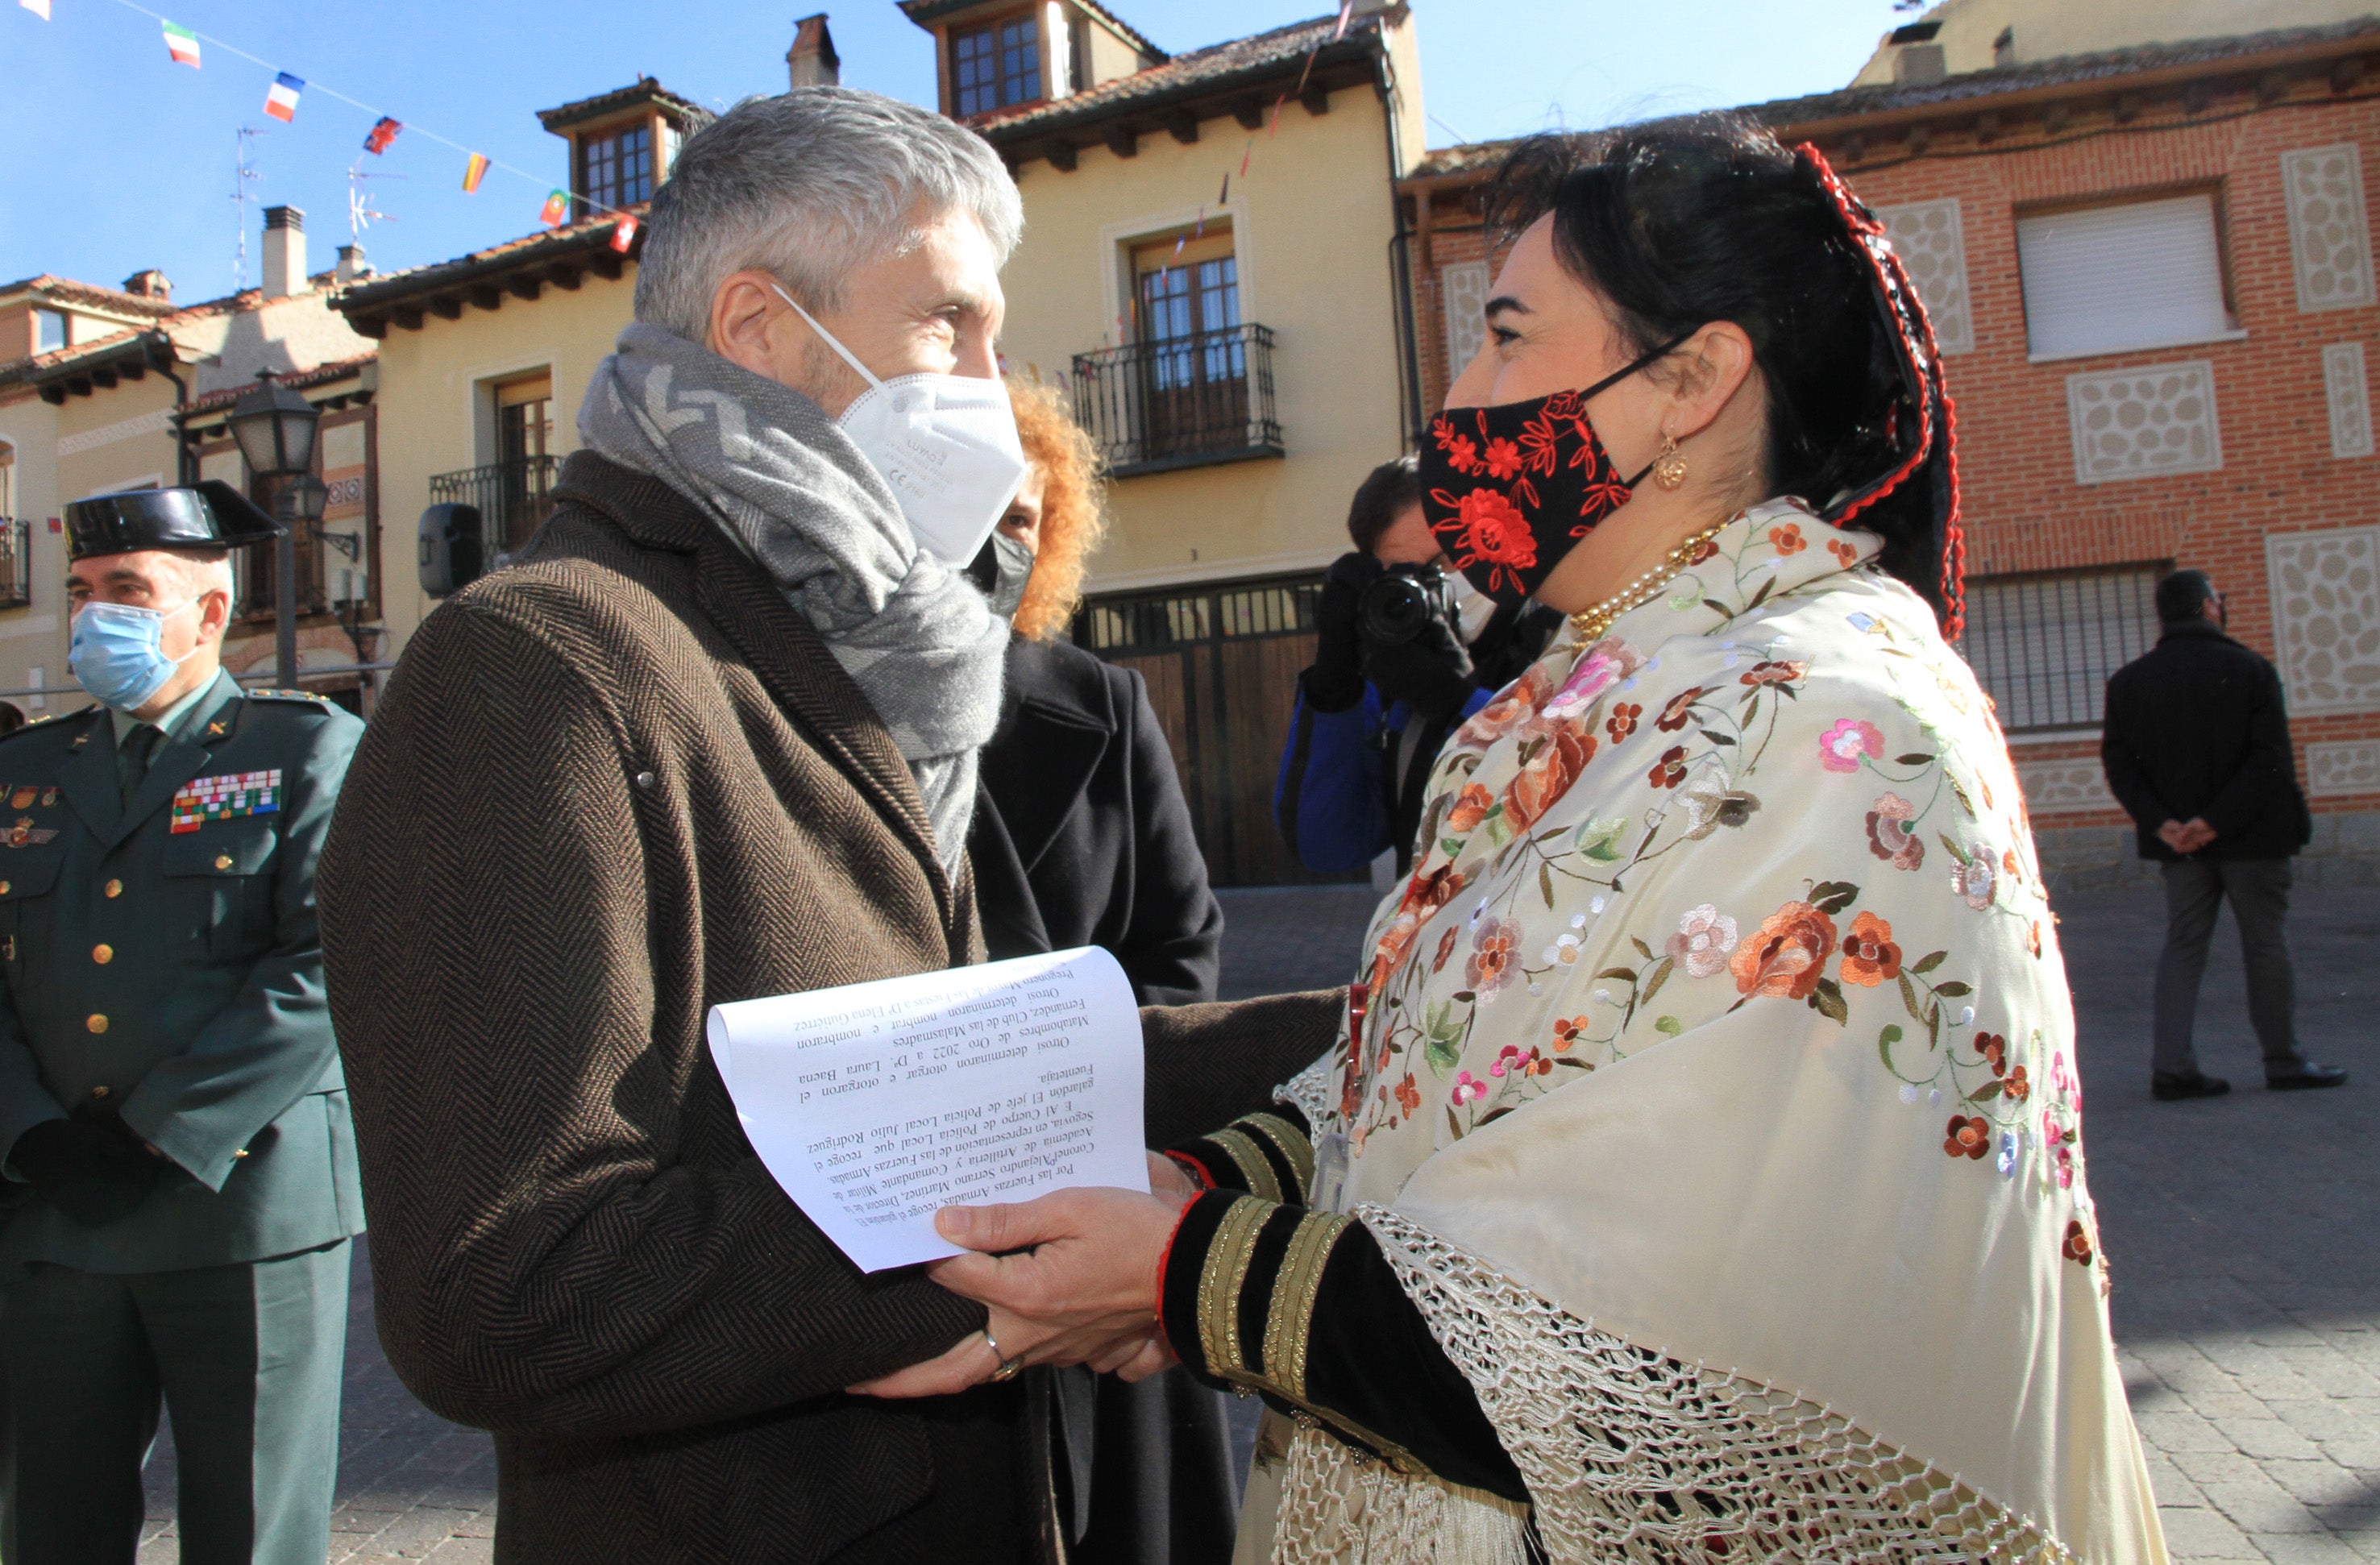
x=712 y=737
x=2197 y=748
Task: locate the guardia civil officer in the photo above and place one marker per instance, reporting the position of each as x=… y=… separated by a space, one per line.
x=181 y=1180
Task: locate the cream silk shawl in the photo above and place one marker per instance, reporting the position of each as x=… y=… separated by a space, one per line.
x=1715 y=1102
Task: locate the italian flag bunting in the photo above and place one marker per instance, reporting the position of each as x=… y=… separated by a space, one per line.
x=183 y=44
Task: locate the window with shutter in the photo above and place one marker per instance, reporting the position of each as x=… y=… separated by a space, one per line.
x=2114 y=279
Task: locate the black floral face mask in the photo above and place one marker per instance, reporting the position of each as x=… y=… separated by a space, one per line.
x=1509 y=490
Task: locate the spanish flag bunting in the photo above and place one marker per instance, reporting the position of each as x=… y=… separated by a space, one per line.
x=474 y=170
x=624 y=233
x=556 y=210
x=281 y=98
x=183 y=44
x=39 y=7
x=1248 y=152
x=1224 y=199
x=382 y=133
x=1346 y=10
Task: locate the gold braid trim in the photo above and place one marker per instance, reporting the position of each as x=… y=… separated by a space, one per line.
x=1292 y=1144
x=1224 y=1273
x=1289 y=1320
x=1249 y=1159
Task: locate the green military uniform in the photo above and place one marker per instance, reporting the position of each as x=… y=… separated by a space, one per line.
x=162 y=956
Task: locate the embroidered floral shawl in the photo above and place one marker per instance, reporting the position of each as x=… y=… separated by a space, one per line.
x=1714 y=1097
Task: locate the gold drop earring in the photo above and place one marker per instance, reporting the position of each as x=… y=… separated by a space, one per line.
x=1669 y=466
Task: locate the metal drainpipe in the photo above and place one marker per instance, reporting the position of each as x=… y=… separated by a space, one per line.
x=159 y=351
x=1409 y=412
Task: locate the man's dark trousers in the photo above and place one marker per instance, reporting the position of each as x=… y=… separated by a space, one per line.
x=97 y=1351
x=2194 y=890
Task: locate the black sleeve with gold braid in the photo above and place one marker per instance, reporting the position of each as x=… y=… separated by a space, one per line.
x=1267 y=1155
x=1301 y=1309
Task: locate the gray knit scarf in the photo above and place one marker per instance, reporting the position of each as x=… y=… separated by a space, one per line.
x=768 y=465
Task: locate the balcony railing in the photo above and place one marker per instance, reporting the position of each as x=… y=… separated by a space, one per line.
x=15 y=562
x=1180 y=402
x=513 y=498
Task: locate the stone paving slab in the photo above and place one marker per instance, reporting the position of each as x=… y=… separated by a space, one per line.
x=2244 y=1232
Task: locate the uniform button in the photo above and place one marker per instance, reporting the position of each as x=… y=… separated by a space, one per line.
x=99 y=1092
x=223 y=861
x=4 y=888
x=113 y=889
x=240 y=1151
x=96 y=1023
x=102 y=955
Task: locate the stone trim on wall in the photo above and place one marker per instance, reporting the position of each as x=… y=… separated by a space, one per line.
x=2349 y=766
x=2325 y=594
x=2330 y=240
x=2349 y=396
x=2146 y=423
x=1933 y=244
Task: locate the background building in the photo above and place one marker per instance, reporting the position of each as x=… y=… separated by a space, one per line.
x=133 y=392
x=2151 y=268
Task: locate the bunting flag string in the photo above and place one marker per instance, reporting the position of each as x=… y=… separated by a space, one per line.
x=556 y=210
x=281 y=98
x=281 y=103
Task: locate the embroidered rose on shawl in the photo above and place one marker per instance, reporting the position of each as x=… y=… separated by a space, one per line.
x=1554 y=758
x=1704 y=938
x=1845 y=555
x=1680 y=710
x=1840 y=747
x=1969 y=1135
x=1568 y=1031
x=1788 y=956
x=1471 y=807
x=1425 y=894
x=1788 y=540
x=1602 y=666
x=1493 y=951
x=1408 y=1095
x=1467 y=1089
x=1670 y=770
x=1623 y=720
x=1993 y=1048
x=2077 y=1247
x=2014 y=1087
x=1974 y=879
x=1514 y=708
x=1888 y=836
x=1710 y=804
x=1775 y=671
x=1869 y=955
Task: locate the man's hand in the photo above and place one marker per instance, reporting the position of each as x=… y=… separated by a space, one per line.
x=93 y=1174
x=1431 y=674
x=1082 y=1290
x=2186 y=836
x=1335 y=681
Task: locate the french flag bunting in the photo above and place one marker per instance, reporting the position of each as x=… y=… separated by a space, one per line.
x=281 y=99
x=39 y=7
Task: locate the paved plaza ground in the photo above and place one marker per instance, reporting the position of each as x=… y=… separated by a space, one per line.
x=2245 y=1235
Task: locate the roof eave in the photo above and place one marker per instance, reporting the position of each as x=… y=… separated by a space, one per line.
x=1330 y=71
x=485 y=280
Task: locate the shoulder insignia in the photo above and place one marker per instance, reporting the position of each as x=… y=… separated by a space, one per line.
x=31 y=723
x=218 y=728
x=306 y=697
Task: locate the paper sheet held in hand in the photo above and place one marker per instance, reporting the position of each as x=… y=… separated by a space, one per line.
x=876 y=1105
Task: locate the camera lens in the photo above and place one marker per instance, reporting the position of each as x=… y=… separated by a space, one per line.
x=1395 y=607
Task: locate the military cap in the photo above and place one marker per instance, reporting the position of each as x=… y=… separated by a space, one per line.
x=212 y=516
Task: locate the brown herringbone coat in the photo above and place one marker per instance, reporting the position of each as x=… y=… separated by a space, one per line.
x=607 y=789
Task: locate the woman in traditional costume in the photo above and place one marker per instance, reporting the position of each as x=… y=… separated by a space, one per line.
x=1699 y=1174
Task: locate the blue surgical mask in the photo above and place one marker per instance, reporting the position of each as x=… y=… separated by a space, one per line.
x=118 y=653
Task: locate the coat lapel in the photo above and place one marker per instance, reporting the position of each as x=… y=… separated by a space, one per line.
x=88 y=778
x=1041 y=769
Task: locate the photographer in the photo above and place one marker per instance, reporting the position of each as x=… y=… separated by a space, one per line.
x=1406 y=651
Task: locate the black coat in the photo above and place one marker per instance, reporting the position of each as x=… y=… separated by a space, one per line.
x=1081 y=834
x=2198 y=729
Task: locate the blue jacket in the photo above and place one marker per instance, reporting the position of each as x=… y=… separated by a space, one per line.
x=1336 y=797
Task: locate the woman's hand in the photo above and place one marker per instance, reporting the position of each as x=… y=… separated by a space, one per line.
x=1082 y=1290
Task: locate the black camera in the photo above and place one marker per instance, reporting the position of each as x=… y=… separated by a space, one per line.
x=1398 y=603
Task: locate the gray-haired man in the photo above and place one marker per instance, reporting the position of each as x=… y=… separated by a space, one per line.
x=714 y=736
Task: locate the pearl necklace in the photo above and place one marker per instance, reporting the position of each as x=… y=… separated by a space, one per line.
x=1589 y=624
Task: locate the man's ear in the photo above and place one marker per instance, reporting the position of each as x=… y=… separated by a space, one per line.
x=215 y=614
x=745 y=318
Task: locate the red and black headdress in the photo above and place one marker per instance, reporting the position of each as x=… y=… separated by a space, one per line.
x=1919 y=485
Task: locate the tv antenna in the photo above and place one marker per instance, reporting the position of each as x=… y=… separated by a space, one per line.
x=244 y=174
x=361 y=213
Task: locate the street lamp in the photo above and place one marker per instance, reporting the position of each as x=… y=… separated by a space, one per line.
x=274 y=426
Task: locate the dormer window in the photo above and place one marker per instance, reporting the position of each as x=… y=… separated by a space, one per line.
x=997 y=65
x=618 y=167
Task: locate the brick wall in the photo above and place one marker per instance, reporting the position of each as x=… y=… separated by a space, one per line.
x=2025 y=509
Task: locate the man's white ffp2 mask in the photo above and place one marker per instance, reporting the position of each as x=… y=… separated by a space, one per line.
x=946 y=444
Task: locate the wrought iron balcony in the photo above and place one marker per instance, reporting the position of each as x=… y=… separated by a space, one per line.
x=1180 y=402
x=514 y=499
x=15 y=562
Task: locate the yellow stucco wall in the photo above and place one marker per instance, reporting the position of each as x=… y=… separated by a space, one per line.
x=1312 y=220
x=35 y=636
x=431 y=416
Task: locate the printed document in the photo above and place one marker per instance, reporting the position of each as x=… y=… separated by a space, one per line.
x=875 y=1105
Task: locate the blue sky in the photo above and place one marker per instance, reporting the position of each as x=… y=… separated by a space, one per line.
x=122 y=159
